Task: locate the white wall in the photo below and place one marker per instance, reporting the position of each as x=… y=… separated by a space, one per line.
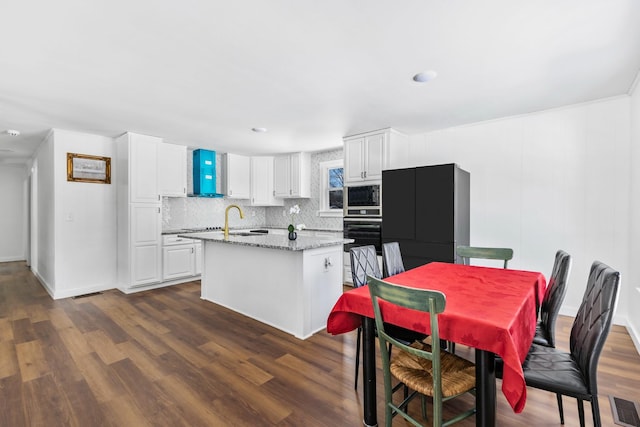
x=633 y=280
x=74 y=238
x=558 y=179
x=13 y=218
x=85 y=219
x=43 y=263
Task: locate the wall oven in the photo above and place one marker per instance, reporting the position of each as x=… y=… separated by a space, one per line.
x=364 y=231
x=363 y=200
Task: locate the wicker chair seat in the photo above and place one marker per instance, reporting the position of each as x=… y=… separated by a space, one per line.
x=458 y=374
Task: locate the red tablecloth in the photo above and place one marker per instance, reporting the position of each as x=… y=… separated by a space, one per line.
x=487 y=308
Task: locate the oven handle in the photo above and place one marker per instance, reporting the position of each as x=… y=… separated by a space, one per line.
x=368 y=219
x=364 y=227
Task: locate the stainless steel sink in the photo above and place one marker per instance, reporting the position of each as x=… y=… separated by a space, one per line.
x=256 y=232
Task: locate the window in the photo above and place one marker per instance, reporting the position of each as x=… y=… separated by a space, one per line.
x=331 y=195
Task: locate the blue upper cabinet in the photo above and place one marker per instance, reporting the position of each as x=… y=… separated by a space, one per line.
x=204 y=173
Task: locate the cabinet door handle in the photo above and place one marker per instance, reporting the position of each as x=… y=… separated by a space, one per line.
x=158 y=197
x=365 y=174
x=191 y=250
x=290 y=192
x=158 y=210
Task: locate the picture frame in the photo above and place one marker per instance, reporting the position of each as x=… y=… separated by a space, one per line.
x=87 y=168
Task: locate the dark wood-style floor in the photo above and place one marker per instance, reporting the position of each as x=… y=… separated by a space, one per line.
x=167 y=358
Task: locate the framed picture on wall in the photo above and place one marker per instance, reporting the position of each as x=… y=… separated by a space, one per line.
x=86 y=168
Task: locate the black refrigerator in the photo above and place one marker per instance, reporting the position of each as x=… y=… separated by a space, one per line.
x=426 y=210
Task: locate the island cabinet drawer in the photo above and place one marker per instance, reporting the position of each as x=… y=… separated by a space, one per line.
x=173 y=239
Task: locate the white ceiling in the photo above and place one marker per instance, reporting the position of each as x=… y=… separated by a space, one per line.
x=204 y=72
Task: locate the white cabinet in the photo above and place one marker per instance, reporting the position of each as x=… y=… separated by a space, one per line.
x=198 y=249
x=181 y=257
x=172 y=170
x=138 y=211
x=367 y=155
x=363 y=158
x=145 y=219
x=262 y=192
x=292 y=175
x=237 y=182
x=177 y=261
x=142 y=166
x=346 y=264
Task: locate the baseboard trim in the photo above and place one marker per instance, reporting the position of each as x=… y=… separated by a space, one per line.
x=12 y=258
x=635 y=336
x=44 y=283
x=68 y=293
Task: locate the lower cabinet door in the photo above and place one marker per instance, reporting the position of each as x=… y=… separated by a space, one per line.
x=145 y=264
x=178 y=261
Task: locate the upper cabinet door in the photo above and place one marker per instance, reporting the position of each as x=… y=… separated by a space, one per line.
x=281 y=176
x=292 y=175
x=143 y=168
x=238 y=173
x=296 y=174
x=373 y=149
x=354 y=159
x=262 y=193
x=367 y=155
x=172 y=170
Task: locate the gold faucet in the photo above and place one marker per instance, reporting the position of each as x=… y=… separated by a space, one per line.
x=226 y=219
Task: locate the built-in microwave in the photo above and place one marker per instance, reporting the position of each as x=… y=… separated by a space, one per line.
x=363 y=200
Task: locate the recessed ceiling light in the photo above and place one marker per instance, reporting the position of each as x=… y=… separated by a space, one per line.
x=13 y=132
x=259 y=129
x=425 y=76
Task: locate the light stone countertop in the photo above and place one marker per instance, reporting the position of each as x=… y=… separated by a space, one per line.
x=198 y=230
x=268 y=240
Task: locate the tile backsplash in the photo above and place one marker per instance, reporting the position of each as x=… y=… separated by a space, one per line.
x=196 y=212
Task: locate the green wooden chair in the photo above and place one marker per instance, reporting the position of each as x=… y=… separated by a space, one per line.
x=468 y=252
x=426 y=371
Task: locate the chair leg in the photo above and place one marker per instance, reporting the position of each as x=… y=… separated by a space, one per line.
x=595 y=409
x=560 y=408
x=581 y=412
x=358 y=339
x=423 y=405
x=451 y=345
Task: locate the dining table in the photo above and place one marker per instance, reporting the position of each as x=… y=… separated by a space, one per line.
x=492 y=310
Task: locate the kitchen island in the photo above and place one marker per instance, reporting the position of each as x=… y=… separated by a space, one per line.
x=288 y=284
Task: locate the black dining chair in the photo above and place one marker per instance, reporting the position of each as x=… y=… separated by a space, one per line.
x=575 y=373
x=391 y=259
x=364 y=262
x=553 y=297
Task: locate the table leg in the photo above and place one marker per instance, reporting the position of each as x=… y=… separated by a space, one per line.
x=485 y=389
x=369 y=371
